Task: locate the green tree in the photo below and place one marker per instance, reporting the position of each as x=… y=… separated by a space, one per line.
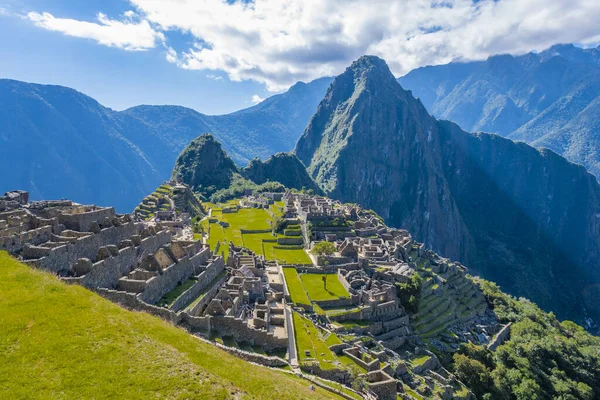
x=473 y=373
x=323 y=249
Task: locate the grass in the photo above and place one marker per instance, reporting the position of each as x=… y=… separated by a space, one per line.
x=341 y=388
x=206 y=289
x=419 y=361
x=354 y=324
x=332 y=339
x=170 y=297
x=250 y=219
x=284 y=255
x=294 y=285
x=61 y=341
x=317 y=291
x=412 y=393
x=309 y=338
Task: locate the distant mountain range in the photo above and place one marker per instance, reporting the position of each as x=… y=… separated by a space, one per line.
x=527 y=219
x=549 y=99
x=58 y=142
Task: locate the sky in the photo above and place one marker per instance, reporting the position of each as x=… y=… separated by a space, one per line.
x=220 y=56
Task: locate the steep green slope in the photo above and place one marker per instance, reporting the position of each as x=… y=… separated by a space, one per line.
x=548 y=99
x=204 y=166
x=208 y=170
x=543 y=358
x=284 y=168
x=62 y=341
x=524 y=218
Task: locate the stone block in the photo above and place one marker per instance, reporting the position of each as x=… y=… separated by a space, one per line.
x=82 y=266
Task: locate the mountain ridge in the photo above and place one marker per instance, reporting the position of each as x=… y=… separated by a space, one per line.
x=547 y=99
x=507 y=210
x=94 y=154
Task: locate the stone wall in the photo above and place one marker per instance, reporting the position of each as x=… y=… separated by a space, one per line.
x=194 y=324
x=197 y=308
x=204 y=279
x=333 y=260
x=63 y=257
x=106 y=273
x=338 y=303
x=35 y=237
x=336 y=375
x=500 y=338
x=230 y=326
x=354 y=354
x=290 y=240
x=82 y=221
x=133 y=302
x=268 y=361
x=383 y=385
x=171 y=276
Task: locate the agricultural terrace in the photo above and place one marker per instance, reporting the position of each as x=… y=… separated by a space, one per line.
x=295 y=287
x=317 y=290
x=313 y=346
x=250 y=228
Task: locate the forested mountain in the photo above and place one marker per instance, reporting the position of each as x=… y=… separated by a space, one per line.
x=548 y=99
x=525 y=218
x=58 y=142
x=210 y=172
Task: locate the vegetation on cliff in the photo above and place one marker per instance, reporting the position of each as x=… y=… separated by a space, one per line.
x=544 y=358
x=284 y=168
x=209 y=171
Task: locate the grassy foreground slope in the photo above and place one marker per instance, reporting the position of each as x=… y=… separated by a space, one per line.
x=63 y=341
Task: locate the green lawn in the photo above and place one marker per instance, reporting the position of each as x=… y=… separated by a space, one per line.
x=291 y=255
x=170 y=297
x=309 y=338
x=294 y=285
x=248 y=218
x=60 y=341
x=251 y=219
x=254 y=241
x=316 y=290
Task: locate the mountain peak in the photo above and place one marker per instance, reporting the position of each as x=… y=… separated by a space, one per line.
x=370 y=67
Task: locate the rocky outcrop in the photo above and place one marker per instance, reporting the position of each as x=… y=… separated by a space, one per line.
x=522 y=217
x=204 y=166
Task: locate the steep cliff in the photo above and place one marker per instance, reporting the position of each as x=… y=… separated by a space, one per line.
x=204 y=166
x=548 y=99
x=525 y=218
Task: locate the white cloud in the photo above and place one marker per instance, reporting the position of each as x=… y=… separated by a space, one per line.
x=214 y=77
x=278 y=42
x=171 y=55
x=128 y=35
x=257 y=99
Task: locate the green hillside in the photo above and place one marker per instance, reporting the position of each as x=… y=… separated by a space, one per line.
x=62 y=341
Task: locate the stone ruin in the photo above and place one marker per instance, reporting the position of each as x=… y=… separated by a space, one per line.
x=249 y=306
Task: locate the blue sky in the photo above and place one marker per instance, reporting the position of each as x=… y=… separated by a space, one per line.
x=218 y=56
x=116 y=78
